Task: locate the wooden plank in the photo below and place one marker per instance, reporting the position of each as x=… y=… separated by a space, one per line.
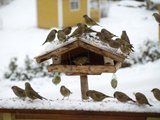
x=84 y=86
x=97 y=50
x=76 y=117
x=78 y=73
x=8 y=116
x=85 y=69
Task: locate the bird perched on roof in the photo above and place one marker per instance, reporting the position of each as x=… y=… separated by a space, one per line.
x=19 y=92
x=89 y=21
x=141 y=99
x=156 y=93
x=77 y=32
x=126 y=47
x=157 y=17
x=96 y=95
x=31 y=93
x=65 y=92
x=122 y=97
x=61 y=35
x=107 y=34
x=115 y=43
x=67 y=30
x=85 y=28
x=51 y=36
x=81 y=60
x=102 y=37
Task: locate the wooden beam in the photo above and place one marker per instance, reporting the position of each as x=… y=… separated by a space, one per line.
x=118 y=65
x=86 y=69
x=84 y=86
x=97 y=50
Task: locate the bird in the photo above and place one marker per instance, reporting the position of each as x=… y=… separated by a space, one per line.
x=102 y=37
x=51 y=36
x=157 y=17
x=77 y=32
x=126 y=47
x=156 y=93
x=65 y=92
x=96 y=95
x=107 y=33
x=81 y=60
x=114 y=43
x=89 y=21
x=61 y=36
x=124 y=36
x=19 y=92
x=67 y=30
x=141 y=99
x=31 y=93
x=122 y=97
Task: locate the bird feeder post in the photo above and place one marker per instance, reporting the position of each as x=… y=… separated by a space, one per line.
x=84 y=86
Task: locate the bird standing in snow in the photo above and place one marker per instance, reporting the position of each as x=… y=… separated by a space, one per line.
x=19 y=92
x=65 y=92
x=96 y=95
x=89 y=21
x=122 y=97
x=67 y=30
x=61 y=35
x=157 y=17
x=51 y=36
x=81 y=60
x=31 y=93
x=141 y=99
x=156 y=93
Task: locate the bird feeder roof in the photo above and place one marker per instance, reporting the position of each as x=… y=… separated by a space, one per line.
x=92 y=44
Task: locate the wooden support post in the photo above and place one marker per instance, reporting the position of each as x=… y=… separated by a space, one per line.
x=84 y=86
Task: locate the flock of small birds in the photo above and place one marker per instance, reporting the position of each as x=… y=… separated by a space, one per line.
x=105 y=36
x=96 y=96
x=85 y=28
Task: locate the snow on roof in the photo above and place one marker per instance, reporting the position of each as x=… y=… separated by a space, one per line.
x=91 y=39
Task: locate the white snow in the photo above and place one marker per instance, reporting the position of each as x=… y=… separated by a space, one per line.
x=20 y=36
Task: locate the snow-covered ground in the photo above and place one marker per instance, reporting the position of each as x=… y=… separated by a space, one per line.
x=20 y=36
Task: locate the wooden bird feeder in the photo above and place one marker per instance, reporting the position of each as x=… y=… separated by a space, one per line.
x=101 y=60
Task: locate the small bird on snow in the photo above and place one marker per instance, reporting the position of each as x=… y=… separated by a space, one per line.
x=65 y=92
x=96 y=95
x=31 y=93
x=61 y=35
x=141 y=99
x=122 y=97
x=156 y=93
x=19 y=92
x=67 y=30
x=51 y=36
